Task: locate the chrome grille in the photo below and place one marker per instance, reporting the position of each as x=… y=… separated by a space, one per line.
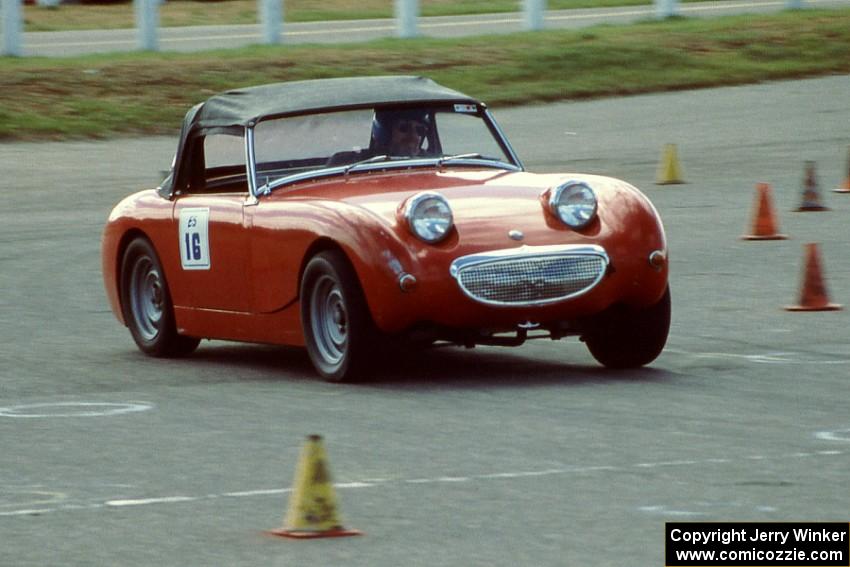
x=523 y=279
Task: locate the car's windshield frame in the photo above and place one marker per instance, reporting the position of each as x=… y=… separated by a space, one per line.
x=257 y=186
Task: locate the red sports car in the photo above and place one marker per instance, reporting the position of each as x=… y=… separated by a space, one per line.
x=346 y=214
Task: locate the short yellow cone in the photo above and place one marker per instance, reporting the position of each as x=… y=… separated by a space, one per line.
x=669 y=170
x=312 y=509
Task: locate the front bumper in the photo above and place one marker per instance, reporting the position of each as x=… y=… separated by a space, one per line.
x=553 y=286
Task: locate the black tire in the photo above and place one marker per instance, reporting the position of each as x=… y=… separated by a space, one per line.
x=629 y=338
x=338 y=329
x=146 y=303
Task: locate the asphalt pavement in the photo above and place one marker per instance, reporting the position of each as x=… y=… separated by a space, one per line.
x=490 y=457
x=196 y=38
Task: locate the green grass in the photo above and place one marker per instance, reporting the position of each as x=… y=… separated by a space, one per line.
x=102 y=96
x=199 y=12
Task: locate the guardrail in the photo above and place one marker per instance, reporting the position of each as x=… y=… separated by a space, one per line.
x=270 y=15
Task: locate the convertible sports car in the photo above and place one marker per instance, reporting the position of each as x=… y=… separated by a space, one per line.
x=345 y=215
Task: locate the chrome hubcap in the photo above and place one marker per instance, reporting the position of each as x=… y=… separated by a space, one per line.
x=329 y=320
x=146 y=298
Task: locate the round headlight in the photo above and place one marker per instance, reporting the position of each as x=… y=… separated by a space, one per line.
x=574 y=203
x=429 y=216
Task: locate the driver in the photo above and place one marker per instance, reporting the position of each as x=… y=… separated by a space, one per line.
x=400 y=132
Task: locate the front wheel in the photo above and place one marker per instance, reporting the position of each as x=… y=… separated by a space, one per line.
x=338 y=329
x=146 y=303
x=630 y=338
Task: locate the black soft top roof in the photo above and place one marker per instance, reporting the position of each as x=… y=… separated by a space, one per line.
x=243 y=107
x=247 y=106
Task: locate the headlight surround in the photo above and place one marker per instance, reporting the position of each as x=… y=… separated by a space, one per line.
x=429 y=217
x=574 y=202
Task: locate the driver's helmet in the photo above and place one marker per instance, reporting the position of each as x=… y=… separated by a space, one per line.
x=383 y=121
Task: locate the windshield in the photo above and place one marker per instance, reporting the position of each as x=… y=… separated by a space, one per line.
x=339 y=142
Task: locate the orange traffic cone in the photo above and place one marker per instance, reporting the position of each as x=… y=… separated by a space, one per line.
x=312 y=506
x=764 y=222
x=813 y=296
x=811 y=196
x=845 y=187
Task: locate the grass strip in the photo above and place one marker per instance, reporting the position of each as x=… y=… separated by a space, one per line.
x=201 y=12
x=131 y=94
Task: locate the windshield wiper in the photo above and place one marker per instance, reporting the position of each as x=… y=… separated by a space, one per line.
x=445 y=159
x=373 y=159
x=495 y=162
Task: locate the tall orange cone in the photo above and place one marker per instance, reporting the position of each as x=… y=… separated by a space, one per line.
x=669 y=171
x=813 y=296
x=312 y=506
x=764 y=221
x=845 y=187
x=811 y=195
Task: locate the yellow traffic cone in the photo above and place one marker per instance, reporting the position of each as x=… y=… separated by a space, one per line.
x=312 y=506
x=669 y=170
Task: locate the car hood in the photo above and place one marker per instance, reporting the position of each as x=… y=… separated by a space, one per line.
x=480 y=199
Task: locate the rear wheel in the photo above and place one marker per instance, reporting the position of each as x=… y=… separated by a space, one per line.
x=338 y=329
x=146 y=303
x=629 y=338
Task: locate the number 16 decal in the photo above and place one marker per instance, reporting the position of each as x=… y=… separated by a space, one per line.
x=194 y=239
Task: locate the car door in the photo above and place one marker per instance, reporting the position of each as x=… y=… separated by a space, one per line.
x=211 y=230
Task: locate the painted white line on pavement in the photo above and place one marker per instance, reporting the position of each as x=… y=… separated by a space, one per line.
x=436 y=480
x=148 y=501
x=664 y=511
x=666 y=464
x=37 y=498
x=837 y=435
x=73 y=409
x=762 y=358
x=355 y=485
x=258 y=492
